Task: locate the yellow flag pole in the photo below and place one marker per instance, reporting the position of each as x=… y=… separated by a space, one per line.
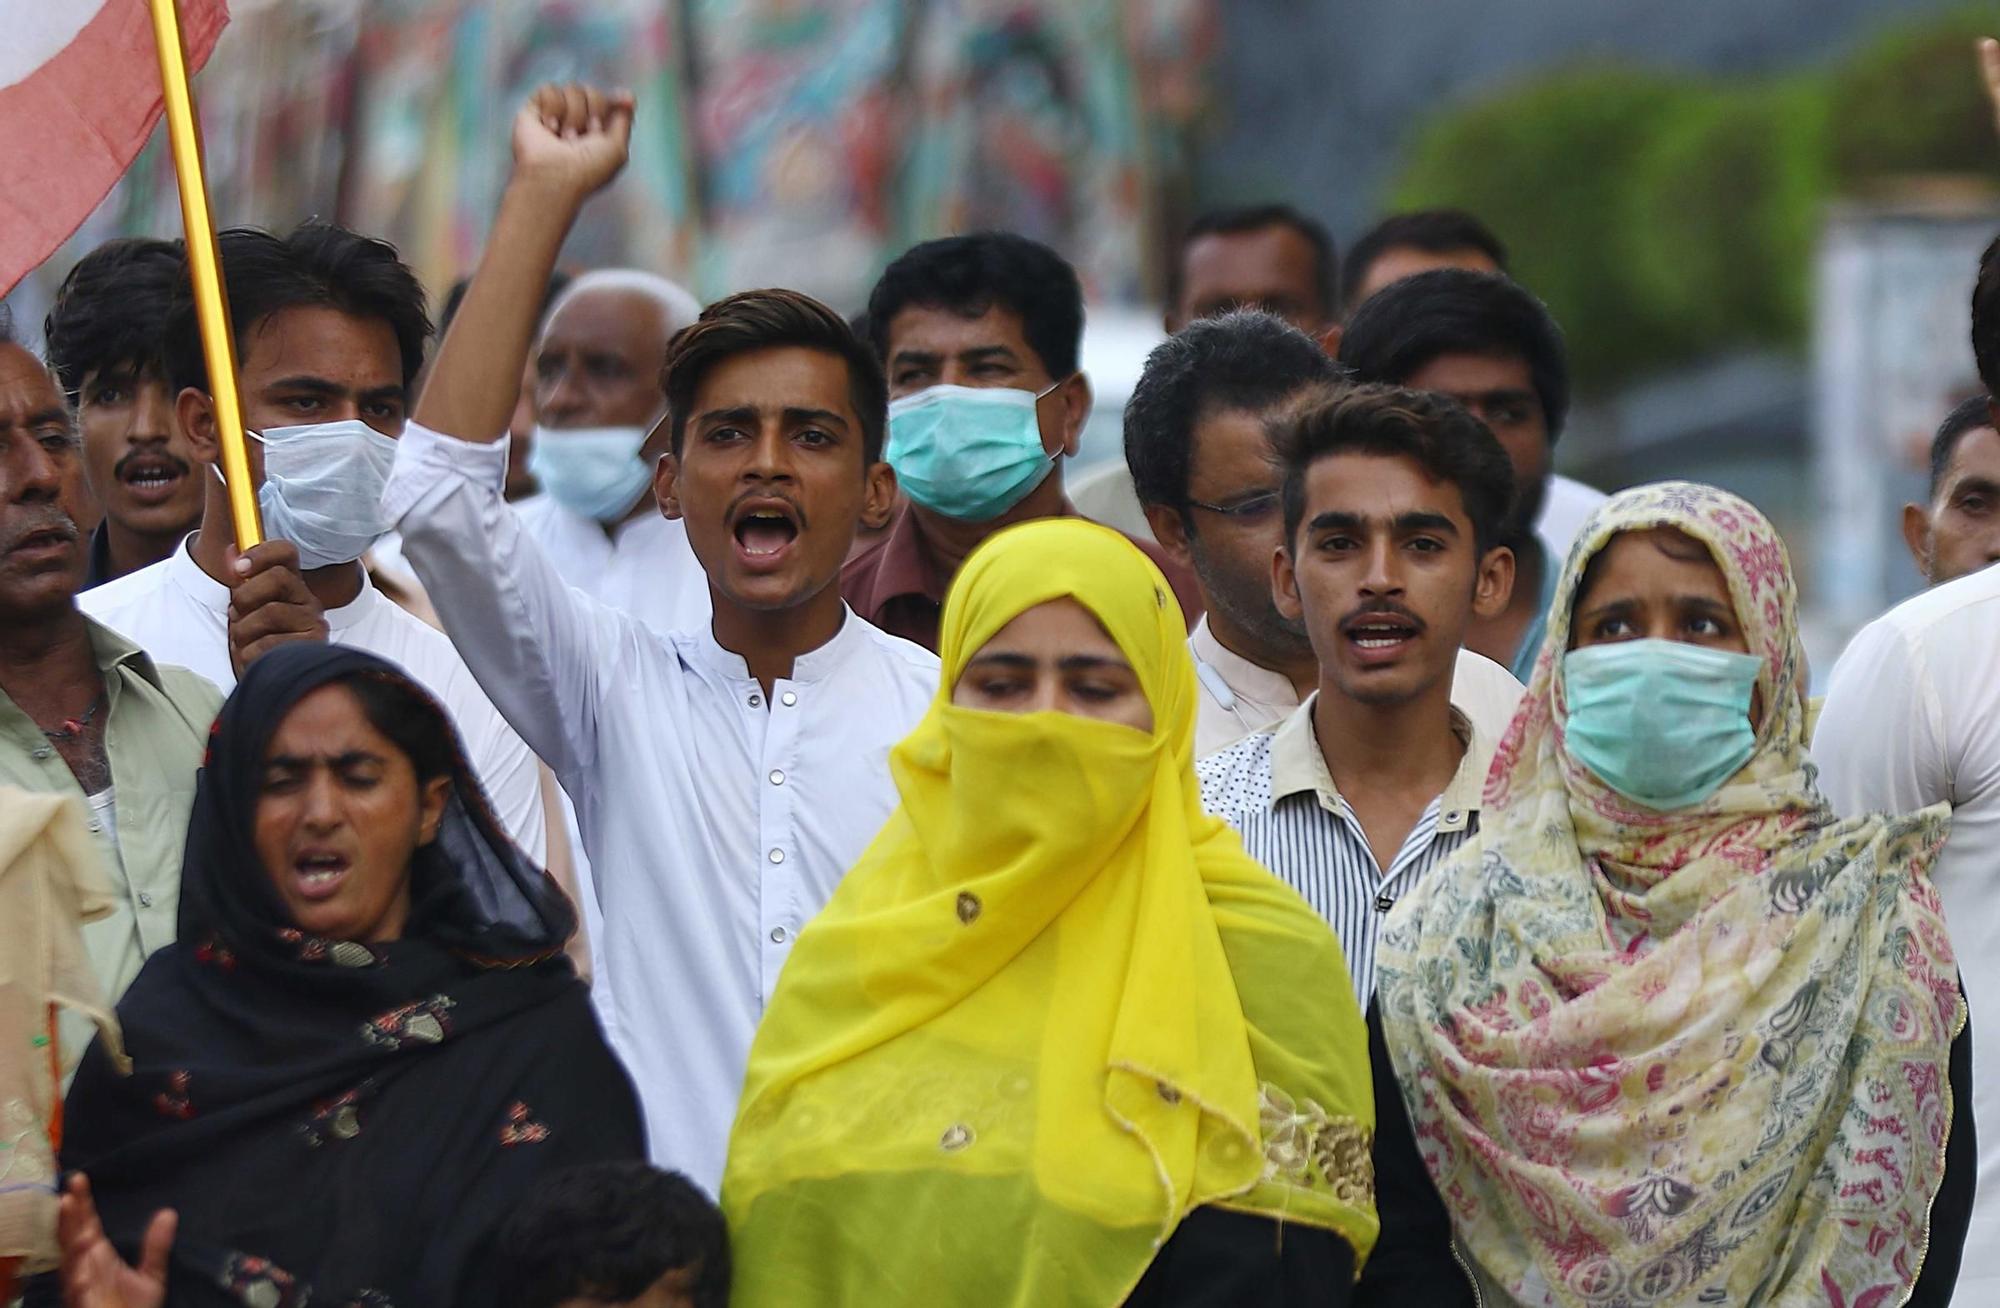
x=205 y=264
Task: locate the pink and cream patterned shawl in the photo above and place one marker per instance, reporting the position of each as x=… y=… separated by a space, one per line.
x=1683 y=1057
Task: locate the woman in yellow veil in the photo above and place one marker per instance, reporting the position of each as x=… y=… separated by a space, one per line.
x=1056 y=1039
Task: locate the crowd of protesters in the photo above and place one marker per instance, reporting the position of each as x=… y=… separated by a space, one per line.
x=686 y=806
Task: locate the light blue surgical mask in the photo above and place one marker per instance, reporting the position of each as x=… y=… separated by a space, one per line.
x=597 y=472
x=968 y=452
x=1663 y=723
x=322 y=488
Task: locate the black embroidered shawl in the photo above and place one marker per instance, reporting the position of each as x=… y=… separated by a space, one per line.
x=339 y=1123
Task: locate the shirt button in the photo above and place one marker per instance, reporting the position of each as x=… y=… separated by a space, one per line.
x=777 y=935
x=777 y=776
x=756 y=701
x=777 y=856
x=145 y=899
x=788 y=699
x=43 y=751
x=95 y=826
x=1454 y=817
x=1383 y=903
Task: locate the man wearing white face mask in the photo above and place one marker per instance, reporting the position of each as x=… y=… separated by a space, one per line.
x=979 y=335
x=330 y=329
x=596 y=370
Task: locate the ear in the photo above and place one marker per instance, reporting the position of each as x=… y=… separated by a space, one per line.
x=430 y=808
x=1172 y=321
x=1494 y=585
x=1285 y=585
x=667 y=485
x=1170 y=529
x=1329 y=338
x=879 y=496
x=1074 y=397
x=196 y=414
x=1917 y=536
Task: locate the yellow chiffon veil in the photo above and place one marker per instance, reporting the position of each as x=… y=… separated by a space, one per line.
x=1053 y=1009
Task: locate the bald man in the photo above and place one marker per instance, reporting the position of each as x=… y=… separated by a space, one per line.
x=596 y=374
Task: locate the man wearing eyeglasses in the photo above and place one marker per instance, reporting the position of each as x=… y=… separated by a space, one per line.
x=1202 y=464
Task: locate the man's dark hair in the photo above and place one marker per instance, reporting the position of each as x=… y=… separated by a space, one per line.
x=1433 y=431
x=762 y=320
x=969 y=275
x=1970 y=415
x=1255 y=218
x=1434 y=231
x=315 y=265
x=1403 y=327
x=112 y=311
x=609 y=1231
x=1986 y=318
x=1247 y=361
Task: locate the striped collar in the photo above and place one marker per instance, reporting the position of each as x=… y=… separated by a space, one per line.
x=1298 y=767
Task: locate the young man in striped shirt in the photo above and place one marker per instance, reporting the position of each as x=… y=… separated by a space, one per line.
x=1393 y=504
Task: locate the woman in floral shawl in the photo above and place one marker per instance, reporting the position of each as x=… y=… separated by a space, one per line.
x=1669 y=1031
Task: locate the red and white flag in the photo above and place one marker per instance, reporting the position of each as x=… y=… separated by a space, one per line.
x=79 y=94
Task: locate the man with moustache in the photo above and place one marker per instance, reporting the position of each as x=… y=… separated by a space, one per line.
x=106 y=335
x=724 y=777
x=1196 y=429
x=1393 y=502
x=83 y=711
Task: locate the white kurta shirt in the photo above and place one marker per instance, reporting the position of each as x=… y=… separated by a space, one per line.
x=179 y=614
x=717 y=824
x=1912 y=718
x=644 y=567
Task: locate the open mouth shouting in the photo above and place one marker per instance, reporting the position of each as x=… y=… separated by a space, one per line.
x=318 y=873
x=151 y=476
x=1380 y=636
x=765 y=528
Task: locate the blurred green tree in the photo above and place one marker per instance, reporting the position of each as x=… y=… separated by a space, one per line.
x=1666 y=218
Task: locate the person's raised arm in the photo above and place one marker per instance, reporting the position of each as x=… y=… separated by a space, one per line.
x=568 y=142
x=538 y=649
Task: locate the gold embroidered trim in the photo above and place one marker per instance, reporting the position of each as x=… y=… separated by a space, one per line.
x=1307 y=1147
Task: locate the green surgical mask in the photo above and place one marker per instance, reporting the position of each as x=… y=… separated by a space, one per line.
x=968 y=452
x=1663 y=723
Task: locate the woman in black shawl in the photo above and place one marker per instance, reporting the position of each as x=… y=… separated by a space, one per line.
x=366 y=1047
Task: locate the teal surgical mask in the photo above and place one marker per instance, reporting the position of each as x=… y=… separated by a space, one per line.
x=968 y=452
x=1662 y=723
x=596 y=472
